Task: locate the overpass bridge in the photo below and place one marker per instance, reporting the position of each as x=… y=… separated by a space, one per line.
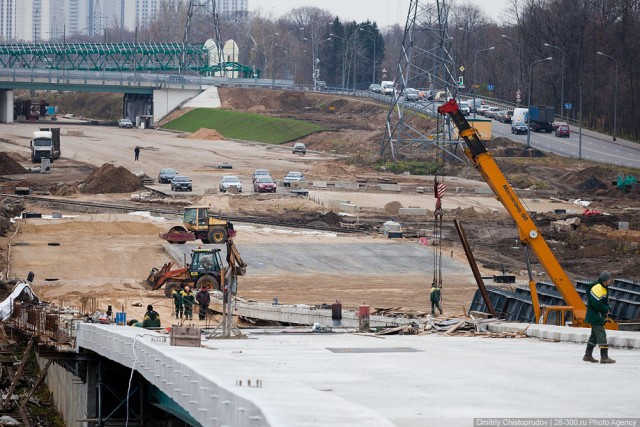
x=111 y=375
x=155 y=77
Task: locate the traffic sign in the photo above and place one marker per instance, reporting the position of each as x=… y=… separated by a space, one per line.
x=489 y=87
x=461 y=68
x=568 y=106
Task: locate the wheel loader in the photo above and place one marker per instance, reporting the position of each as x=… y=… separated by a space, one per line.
x=199 y=223
x=203 y=270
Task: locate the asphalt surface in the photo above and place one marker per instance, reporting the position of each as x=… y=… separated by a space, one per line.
x=327 y=255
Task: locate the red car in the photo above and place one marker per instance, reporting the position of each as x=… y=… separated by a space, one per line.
x=563 y=131
x=264 y=184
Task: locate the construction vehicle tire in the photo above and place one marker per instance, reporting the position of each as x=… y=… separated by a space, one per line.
x=217 y=235
x=208 y=282
x=170 y=287
x=177 y=229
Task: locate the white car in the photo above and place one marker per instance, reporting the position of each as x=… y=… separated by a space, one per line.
x=464 y=108
x=229 y=181
x=293 y=177
x=125 y=123
x=483 y=109
x=259 y=173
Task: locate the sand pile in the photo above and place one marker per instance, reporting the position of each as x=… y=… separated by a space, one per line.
x=8 y=166
x=111 y=179
x=209 y=134
x=393 y=208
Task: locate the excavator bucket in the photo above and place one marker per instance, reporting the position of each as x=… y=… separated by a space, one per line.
x=157 y=277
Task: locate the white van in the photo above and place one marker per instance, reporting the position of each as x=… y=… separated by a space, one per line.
x=386 y=87
x=520 y=115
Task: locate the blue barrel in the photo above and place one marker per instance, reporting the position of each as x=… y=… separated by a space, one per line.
x=121 y=318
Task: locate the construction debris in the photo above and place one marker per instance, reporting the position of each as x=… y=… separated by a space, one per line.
x=468 y=327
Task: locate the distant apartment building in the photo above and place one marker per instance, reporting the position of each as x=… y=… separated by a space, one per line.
x=46 y=20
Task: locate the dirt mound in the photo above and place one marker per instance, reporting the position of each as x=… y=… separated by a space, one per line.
x=592 y=184
x=328 y=170
x=63 y=189
x=504 y=147
x=8 y=166
x=393 y=208
x=330 y=218
x=580 y=177
x=209 y=134
x=111 y=179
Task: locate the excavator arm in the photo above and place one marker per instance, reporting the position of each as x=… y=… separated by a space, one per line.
x=530 y=237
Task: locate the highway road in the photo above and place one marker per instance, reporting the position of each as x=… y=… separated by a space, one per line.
x=595 y=147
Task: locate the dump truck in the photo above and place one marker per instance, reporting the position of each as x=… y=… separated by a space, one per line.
x=203 y=270
x=199 y=223
x=45 y=144
x=541 y=119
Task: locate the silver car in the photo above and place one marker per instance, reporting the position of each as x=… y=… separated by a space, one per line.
x=293 y=176
x=229 y=181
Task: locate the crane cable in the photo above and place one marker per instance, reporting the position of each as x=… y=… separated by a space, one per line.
x=439 y=188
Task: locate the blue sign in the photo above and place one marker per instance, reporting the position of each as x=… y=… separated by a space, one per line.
x=568 y=106
x=489 y=87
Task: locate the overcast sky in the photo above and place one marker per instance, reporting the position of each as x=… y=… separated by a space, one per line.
x=384 y=12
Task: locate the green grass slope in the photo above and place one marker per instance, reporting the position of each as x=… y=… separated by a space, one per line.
x=245 y=126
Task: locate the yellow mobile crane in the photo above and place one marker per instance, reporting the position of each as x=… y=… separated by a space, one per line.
x=530 y=237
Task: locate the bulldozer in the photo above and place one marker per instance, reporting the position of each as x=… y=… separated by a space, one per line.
x=199 y=223
x=202 y=271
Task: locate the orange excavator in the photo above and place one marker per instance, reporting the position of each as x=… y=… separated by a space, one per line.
x=530 y=237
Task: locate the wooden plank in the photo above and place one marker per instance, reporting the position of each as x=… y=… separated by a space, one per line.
x=14 y=384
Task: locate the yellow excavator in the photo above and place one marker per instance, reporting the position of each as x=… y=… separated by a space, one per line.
x=530 y=237
x=199 y=223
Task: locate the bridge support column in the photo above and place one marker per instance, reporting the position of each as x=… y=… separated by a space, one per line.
x=166 y=100
x=6 y=106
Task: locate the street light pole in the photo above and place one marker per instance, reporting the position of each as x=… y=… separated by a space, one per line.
x=373 y=75
x=273 y=63
x=529 y=99
x=344 y=43
x=515 y=42
x=475 y=62
x=561 y=80
x=615 y=102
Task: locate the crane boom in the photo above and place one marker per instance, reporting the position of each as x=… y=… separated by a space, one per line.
x=477 y=152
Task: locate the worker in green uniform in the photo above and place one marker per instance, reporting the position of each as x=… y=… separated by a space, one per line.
x=151 y=318
x=597 y=310
x=177 y=302
x=435 y=297
x=188 y=298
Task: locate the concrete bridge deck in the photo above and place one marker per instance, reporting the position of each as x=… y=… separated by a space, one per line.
x=323 y=379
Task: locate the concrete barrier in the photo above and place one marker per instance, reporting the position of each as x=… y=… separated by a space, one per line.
x=319 y=184
x=390 y=187
x=347 y=207
x=344 y=185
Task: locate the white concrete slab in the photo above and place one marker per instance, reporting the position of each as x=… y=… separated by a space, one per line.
x=406 y=381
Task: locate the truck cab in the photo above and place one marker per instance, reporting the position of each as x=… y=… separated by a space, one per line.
x=45 y=144
x=386 y=88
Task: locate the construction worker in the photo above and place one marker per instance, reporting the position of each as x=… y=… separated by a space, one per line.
x=203 y=299
x=136 y=153
x=434 y=297
x=177 y=302
x=597 y=310
x=151 y=318
x=188 y=298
